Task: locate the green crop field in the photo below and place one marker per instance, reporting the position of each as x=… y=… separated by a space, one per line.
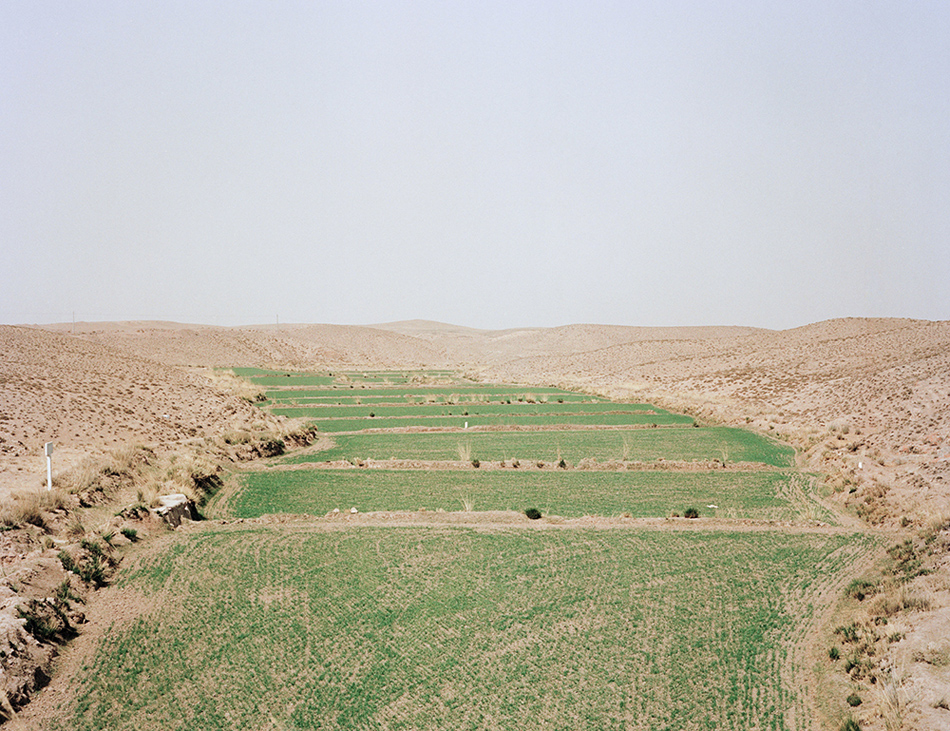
x=434 y=394
x=472 y=409
x=758 y=495
x=343 y=397
x=644 y=445
x=349 y=425
x=453 y=628
x=476 y=620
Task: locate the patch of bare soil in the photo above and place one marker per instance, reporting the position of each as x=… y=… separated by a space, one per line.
x=508 y=519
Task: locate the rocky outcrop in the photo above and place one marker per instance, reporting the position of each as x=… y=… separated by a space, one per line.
x=176 y=507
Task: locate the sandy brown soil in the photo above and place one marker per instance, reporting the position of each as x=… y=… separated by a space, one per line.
x=87 y=398
x=866 y=400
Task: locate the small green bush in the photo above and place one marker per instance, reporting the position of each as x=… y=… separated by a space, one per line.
x=476 y=463
x=533 y=513
x=65 y=593
x=130 y=533
x=92 y=546
x=850 y=725
x=67 y=561
x=849 y=633
x=691 y=513
x=854 y=700
x=93 y=571
x=834 y=653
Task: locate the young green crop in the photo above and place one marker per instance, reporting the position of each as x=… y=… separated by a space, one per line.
x=759 y=495
x=644 y=445
x=454 y=628
x=466 y=408
x=514 y=420
x=437 y=394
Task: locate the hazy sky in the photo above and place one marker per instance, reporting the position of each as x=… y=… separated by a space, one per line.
x=492 y=164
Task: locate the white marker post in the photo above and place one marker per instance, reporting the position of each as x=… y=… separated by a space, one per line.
x=48 y=451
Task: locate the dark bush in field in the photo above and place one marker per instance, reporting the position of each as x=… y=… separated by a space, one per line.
x=691 y=513
x=533 y=513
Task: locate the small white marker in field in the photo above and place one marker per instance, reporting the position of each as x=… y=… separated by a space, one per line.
x=466 y=425
x=714 y=507
x=354 y=510
x=860 y=465
x=48 y=451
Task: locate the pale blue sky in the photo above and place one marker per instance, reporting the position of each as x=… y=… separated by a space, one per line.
x=488 y=164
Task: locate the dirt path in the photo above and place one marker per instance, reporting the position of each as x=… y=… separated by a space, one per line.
x=818 y=607
x=512 y=520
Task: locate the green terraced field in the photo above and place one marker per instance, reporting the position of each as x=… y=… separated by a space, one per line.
x=437 y=394
x=421 y=628
x=515 y=420
x=346 y=397
x=644 y=445
x=642 y=494
x=471 y=409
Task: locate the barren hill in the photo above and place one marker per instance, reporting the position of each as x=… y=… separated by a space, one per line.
x=310 y=346
x=469 y=346
x=89 y=397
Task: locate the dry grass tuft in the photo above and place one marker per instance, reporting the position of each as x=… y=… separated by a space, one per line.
x=229 y=383
x=30 y=507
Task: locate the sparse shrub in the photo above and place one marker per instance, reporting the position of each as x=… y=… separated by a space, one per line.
x=65 y=594
x=515 y=463
x=92 y=546
x=854 y=700
x=850 y=725
x=849 y=633
x=562 y=464
x=42 y=627
x=860 y=588
x=834 y=653
x=93 y=571
x=691 y=513
x=540 y=465
x=271 y=447
x=67 y=561
x=130 y=533
x=476 y=463
x=533 y=513
x=107 y=536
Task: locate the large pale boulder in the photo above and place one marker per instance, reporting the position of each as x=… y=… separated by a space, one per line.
x=176 y=507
